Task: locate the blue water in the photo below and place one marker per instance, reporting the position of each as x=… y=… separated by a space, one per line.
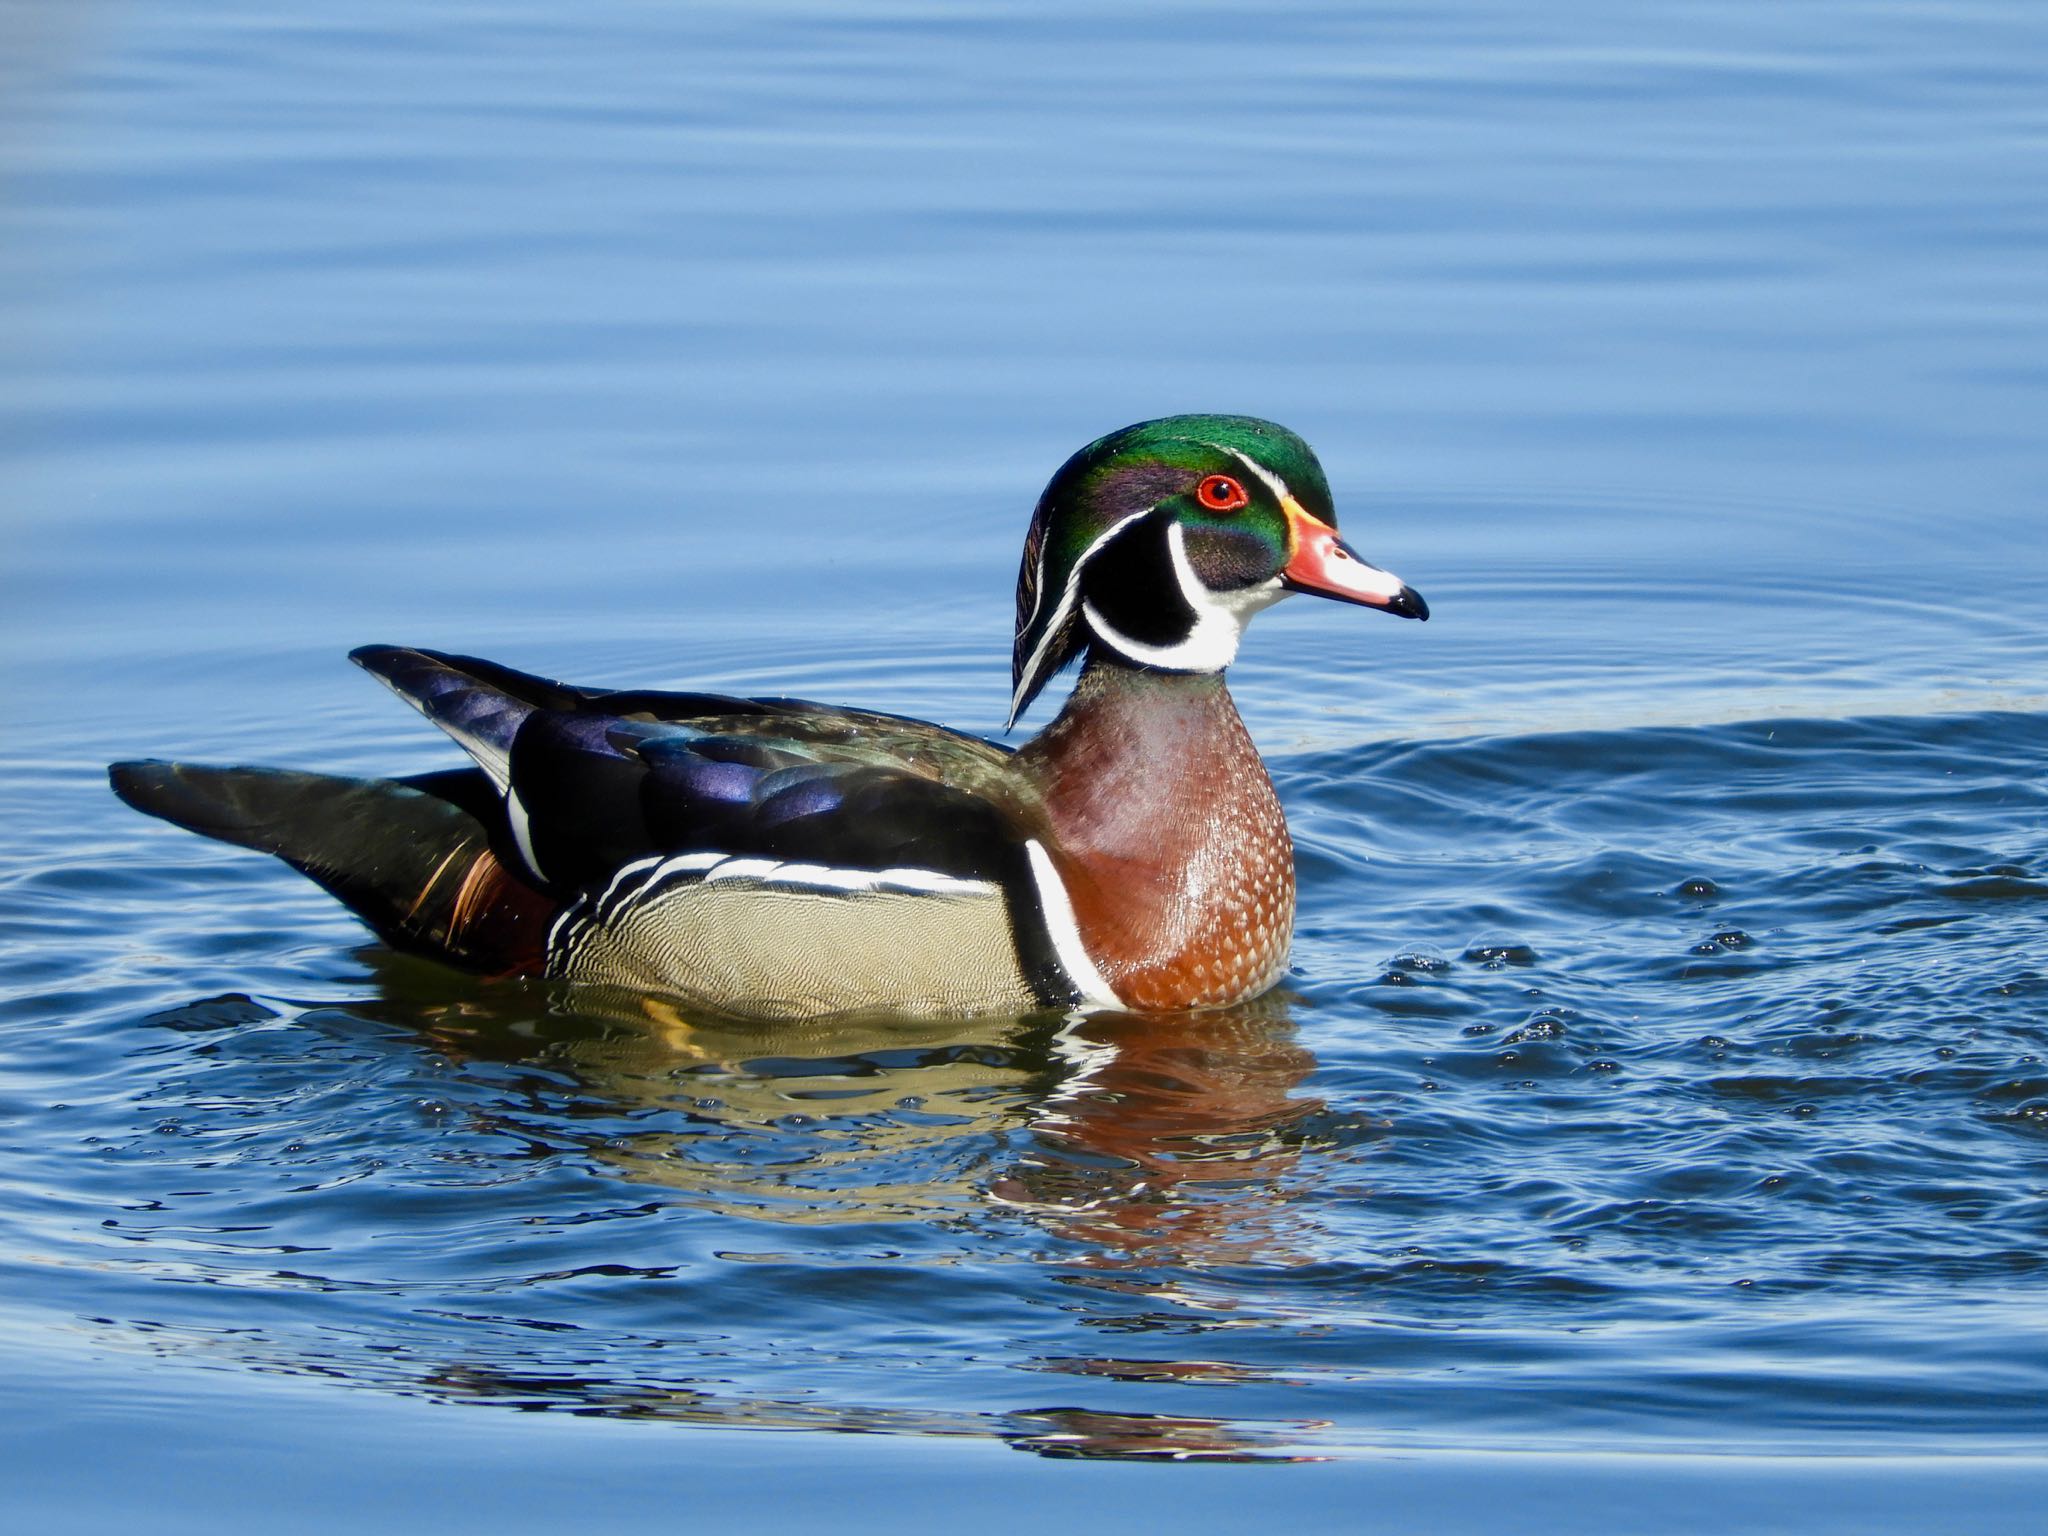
x=1652 y=1132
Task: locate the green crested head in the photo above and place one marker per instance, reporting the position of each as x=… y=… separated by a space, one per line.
x=1159 y=541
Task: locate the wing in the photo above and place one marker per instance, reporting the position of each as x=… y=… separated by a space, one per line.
x=773 y=850
x=593 y=780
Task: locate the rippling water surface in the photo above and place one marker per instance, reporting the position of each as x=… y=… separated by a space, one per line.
x=1662 y=1073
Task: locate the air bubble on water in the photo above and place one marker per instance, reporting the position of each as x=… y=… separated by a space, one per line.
x=1422 y=961
x=1543 y=1027
x=1498 y=956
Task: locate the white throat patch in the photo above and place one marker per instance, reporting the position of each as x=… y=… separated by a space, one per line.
x=1220 y=618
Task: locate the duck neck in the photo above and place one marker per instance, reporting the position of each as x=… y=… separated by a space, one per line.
x=1168 y=834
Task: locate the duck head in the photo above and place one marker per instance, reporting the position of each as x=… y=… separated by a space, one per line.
x=1156 y=544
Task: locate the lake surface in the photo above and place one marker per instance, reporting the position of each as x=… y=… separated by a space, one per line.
x=1654 y=1131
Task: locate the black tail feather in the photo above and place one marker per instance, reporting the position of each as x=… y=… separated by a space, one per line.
x=412 y=858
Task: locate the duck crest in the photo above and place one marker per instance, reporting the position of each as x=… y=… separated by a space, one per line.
x=1168 y=836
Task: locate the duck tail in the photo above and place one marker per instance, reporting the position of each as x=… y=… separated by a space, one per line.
x=414 y=858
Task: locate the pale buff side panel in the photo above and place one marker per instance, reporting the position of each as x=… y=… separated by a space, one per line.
x=758 y=939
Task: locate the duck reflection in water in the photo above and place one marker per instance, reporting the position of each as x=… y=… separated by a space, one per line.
x=1126 y=1151
x=1172 y=1145
x=1068 y=1434
x=1139 y=1145
x=1141 y=1140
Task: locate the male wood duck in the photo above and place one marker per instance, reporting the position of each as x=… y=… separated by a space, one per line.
x=770 y=858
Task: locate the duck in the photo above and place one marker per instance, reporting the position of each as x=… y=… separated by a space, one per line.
x=779 y=859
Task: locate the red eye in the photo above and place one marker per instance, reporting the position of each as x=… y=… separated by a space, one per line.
x=1220 y=493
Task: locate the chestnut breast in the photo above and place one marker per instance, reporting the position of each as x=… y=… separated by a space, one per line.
x=1171 y=841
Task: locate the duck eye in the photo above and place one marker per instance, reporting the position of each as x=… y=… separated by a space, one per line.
x=1220 y=493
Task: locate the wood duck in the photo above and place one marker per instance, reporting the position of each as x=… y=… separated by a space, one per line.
x=771 y=858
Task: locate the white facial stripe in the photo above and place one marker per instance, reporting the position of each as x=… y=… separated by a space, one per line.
x=1038 y=591
x=1065 y=608
x=1272 y=481
x=1220 y=618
